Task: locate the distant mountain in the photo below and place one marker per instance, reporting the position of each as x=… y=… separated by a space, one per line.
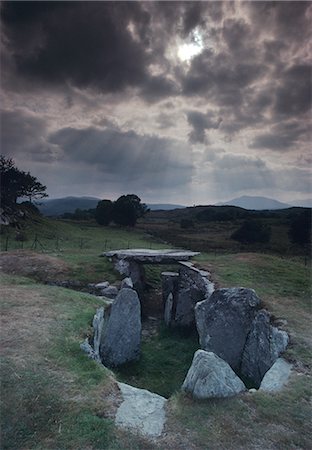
x=59 y=206
x=306 y=203
x=255 y=203
x=163 y=206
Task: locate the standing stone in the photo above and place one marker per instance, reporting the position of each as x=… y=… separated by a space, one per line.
x=98 y=325
x=193 y=287
x=168 y=310
x=209 y=376
x=169 y=282
x=224 y=320
x=263 y=346
x=276 y=378
x=122 y=339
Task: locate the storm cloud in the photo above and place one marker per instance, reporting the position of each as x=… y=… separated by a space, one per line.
x=136 y=95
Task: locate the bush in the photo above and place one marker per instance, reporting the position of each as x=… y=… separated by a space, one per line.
x=252 y=231
x=300 y=229
x=186 y=223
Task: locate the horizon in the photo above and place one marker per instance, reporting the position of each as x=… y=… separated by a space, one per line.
x=179 y=102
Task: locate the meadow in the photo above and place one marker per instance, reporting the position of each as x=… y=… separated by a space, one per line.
x=54 y=397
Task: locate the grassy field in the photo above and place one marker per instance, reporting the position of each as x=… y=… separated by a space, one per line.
x=53 y=397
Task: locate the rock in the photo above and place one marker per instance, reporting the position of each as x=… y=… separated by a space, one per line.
x=147 y=256
x=126 y=283
x=263 y=346
x=276 y=377
x=98 y=327
x=189 y=287
x=169 y=284
x=209 y=376
x=224 y=320
x=87 y=348
x=168 y=309
x=102 y=285
x=141 y=411
x=122 y=339
x=110 y=292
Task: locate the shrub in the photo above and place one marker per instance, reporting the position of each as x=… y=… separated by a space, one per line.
x=252 y=231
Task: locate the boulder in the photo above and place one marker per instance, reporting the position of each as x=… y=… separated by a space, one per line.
x=126 y=283
x=263 y=346
x=191 y=287
x=224 y=321
x=209 y=376
x=109 y=292
x=141 y=411
x=168 y=310
x=276 y=377
x=122 y=338
x=98 y=327
x=102 y=285
x=169 y=282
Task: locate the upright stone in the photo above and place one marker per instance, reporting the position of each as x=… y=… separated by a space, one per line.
x=263 y=346
x=224 y=321
x=209 y=376
x=193 y=287
x=98 y=325
x=122 y=340
x=169 y=282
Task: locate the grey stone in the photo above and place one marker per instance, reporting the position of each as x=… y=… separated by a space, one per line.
x=209 y=376
x=276 y=377
x=102 y=285
x=147 y=256
x=110 y=292
x=127 y=283
x=122 y=340
x=168 y=310
x=98 y=327
x=87 y=348
x=141 y=411
x=224 y=320
x=263 y=346
x=169 y=284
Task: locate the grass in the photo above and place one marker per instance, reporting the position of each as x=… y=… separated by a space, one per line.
x=164 y=362
x=54 y=397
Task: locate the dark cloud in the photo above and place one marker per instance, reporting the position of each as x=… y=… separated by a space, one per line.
x=24 y=134
x=283 y=137
x=137 y=160
x=293 y=96
x=200 y=123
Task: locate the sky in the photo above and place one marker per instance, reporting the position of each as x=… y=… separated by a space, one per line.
x=176 y=102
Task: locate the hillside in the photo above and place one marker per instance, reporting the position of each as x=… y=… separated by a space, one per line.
x=255 y=203
x=59 y=206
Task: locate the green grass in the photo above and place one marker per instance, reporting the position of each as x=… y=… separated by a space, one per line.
x=164 y=362
x=55 y=398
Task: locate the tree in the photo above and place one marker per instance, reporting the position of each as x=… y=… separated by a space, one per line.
x=300 y=228
x=252 y=231
x=128 y=209
x=16 y=183
x=104 y=212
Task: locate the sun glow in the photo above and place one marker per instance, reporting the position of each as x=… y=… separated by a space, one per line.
x=187 y=51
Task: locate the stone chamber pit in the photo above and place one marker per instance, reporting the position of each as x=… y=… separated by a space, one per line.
x=234 y=342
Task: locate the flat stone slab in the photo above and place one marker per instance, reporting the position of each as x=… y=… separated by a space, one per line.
x=166 y=256
x=141 y=411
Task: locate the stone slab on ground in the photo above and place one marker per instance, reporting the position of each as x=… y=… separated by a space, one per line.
x=148 y=256
x=276 y=378
x=141 y=411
